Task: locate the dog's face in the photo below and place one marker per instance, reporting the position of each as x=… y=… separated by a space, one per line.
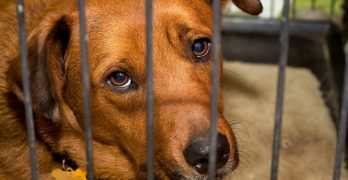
x=116 y=54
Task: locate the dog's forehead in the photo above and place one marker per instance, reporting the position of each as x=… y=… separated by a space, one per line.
x=117 y=30
x=134 y=10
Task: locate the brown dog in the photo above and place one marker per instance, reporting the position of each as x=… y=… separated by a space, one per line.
x=116 y=51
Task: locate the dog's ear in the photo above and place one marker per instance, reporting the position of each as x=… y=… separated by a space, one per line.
x=46 y=51
x=253 y=7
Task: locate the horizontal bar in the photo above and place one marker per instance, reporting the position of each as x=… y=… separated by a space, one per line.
x=86 y=90
x=214 y=89
x=284 y=45
x=149 y=90
x=26 y=89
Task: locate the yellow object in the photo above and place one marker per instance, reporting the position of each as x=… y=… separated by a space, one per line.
x=69 y=174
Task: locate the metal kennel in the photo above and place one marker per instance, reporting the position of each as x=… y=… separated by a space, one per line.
x=233 y=32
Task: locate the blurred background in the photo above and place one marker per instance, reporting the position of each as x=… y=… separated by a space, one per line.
x=251 y=47
x=300 y=9
x=318 y=32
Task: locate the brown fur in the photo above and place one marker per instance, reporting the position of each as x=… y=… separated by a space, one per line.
x=116 y=41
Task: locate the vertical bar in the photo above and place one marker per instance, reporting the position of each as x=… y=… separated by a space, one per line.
x=214 y=89
x=272 y=9
x=86 y=89
x=149 y=90
x=284 y=45
x=342 y=132
x=26 y=88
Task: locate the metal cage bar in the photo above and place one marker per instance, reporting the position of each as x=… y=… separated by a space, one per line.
x=26 y=89
x=86 y=89
x=214 y=89
x=342 y=131
x=284 y=45
x=149 y=90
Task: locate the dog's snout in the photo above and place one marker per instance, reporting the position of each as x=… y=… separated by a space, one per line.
x=197 y=153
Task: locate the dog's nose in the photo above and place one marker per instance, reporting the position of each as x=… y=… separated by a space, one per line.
x=197 y=153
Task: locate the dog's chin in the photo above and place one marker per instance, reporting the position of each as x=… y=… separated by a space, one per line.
x=177 y=173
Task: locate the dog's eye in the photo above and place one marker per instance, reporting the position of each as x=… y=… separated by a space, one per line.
x=119 y=80
x=201 y=47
